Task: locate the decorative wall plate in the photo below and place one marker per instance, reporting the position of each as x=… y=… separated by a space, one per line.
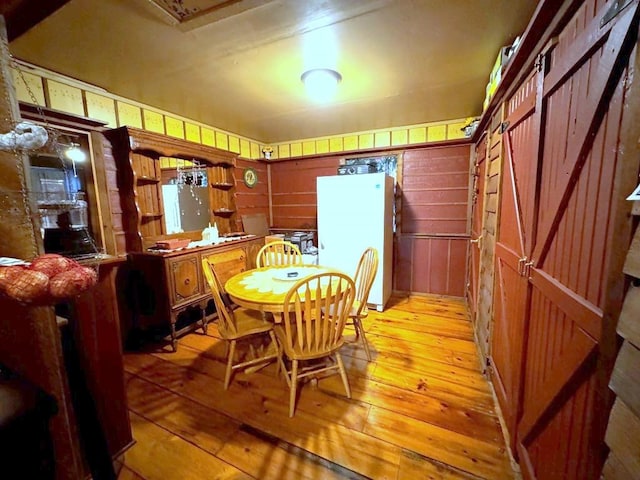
x=250 y=177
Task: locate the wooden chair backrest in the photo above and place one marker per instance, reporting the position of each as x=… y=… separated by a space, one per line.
x=318 y=306
x=226 y=319
x=279 y=252
x=365 y=276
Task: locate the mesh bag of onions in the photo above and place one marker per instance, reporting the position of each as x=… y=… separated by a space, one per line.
x=48 y=279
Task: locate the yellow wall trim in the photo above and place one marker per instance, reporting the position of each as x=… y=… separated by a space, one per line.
x=69 y=95
x=384 y=138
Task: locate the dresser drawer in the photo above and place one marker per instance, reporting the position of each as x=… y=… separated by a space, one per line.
x=227 y=264
x=184 y=278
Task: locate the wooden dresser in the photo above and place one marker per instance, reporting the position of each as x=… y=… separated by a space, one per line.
x=169 y=293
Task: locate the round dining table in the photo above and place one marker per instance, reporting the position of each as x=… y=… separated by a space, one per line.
x=264 y=288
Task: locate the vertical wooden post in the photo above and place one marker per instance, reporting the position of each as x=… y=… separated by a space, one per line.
x=30 y=340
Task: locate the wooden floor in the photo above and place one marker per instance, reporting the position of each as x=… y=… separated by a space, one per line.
x=421 y=410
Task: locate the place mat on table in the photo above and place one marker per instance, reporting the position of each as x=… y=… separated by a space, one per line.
x=276 y=280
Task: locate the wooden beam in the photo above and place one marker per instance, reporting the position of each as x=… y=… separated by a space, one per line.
x=30 y=343
x=22 y=15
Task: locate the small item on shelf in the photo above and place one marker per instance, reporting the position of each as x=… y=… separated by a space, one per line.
x=210 y=234
x=223 y=211
x=173 y=243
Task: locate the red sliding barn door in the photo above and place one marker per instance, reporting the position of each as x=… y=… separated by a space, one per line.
x=582 y=100
x=513 y=248
x=554 y=245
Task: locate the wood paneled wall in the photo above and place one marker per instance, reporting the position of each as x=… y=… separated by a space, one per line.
x=432 y=231
x=435 y=191
x=293 y=190
x=250 y=201
x=433 y=227
x=425 y=264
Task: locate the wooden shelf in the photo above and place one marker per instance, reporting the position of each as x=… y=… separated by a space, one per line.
x=143 y=179
x=140 y=179
x=224 y=186
x=223 y=211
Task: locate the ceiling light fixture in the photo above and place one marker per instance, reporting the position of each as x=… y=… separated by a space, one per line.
x=321 y=83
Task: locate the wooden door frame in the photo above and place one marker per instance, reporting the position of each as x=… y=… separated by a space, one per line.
x=475 y=244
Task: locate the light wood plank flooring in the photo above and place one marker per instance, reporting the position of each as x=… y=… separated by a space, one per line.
x=421 y=410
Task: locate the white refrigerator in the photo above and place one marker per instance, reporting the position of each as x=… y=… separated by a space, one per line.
x=356 y=212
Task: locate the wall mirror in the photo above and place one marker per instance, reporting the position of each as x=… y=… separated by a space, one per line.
x=61 y=182
x=62 y=179
x=185 y=195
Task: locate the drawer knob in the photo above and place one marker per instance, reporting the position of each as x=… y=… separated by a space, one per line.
x=187 y=281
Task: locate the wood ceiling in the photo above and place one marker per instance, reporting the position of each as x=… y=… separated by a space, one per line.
x=236 y=64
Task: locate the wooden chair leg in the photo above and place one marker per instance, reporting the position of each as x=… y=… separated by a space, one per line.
x=356 y=327
x=360 y=332
x=343 y=374
x=274 y=340
x=204 y=320
x=292 y=387
x=227 y=374
x=283 y=367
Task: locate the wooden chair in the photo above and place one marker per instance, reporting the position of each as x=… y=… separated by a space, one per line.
x=311 y=334
x=279 y=252
x=365 y=275
x=238 y=324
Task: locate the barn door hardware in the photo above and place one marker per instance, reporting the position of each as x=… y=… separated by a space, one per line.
x=527 y=269
x=521 y=266
x=614 y=10
x=476 y=240
x=542 y=58
x=504 y=126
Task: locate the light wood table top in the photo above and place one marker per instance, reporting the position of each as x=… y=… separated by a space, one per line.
x=264 y=288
